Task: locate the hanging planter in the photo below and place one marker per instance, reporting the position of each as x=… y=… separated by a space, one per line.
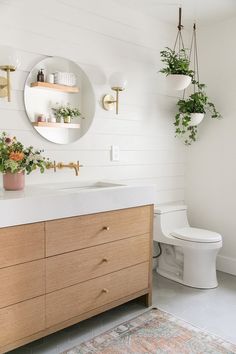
x=177 y=71
x=191 y=113
x=196 y=118
x=178 y=82
x=192 y=110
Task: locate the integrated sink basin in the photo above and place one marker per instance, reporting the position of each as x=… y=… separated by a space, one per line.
x=96 y=185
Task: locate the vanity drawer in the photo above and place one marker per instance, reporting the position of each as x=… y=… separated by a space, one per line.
x=64 y=304
x=21 y=282
x=22 y=320
x=89 y=230
x=75 y=267
x=20 y=244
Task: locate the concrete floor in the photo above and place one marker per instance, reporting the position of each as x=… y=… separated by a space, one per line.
x=211 y=310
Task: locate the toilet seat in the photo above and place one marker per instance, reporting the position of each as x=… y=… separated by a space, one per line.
x=194 y=234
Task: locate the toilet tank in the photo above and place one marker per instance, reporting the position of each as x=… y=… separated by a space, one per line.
x=167 y=218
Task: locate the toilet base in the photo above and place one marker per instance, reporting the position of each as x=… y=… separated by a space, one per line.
x=200 y=266
x=192 y=265
x=181 y=281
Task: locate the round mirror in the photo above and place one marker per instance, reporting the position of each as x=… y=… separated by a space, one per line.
x=59 y=100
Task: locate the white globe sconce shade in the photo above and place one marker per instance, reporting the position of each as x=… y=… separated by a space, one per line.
x=117 y=83
x=9 y=62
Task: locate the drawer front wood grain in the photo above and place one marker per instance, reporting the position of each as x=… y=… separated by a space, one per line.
x=20 y=244
x=22 y=320
x=78 y=266
x=89 y=230
x=22 y=282
x=64 y=304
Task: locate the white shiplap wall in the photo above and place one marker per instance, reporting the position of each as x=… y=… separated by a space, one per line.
x=102 y=38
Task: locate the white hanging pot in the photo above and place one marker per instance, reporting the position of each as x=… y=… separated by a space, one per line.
x=178 y=82
x=196 y=118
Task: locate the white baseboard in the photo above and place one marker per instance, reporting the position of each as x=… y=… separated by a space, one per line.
x=226 y=264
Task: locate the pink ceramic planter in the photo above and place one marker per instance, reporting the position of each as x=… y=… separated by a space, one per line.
x=14 y=181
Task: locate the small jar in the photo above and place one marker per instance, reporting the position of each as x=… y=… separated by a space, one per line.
x=41 y=118
x=52 y=119
x=51 y=78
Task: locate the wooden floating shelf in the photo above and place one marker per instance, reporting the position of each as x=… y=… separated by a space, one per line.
x=56 y=125
x=62 y=88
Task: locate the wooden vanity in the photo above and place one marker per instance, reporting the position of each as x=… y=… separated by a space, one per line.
x=56 y=273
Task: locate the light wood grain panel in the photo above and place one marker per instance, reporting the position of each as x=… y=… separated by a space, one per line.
x=19 y=244
x=69 y=234
x=48 y=85
x=75 y=267
x=148 y=296
x=22 y=282
x=56 y=125
x=22 y=320
x=64 y=304
x=71 y=322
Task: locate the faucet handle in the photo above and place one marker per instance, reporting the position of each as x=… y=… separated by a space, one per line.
x=79 y=165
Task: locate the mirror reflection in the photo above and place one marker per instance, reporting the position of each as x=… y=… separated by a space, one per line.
x=59 y=100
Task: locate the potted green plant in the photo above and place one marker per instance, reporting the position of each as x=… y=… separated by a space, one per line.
x=66 y=113
x=177 y=71
x=191 y=112
x=15 y=160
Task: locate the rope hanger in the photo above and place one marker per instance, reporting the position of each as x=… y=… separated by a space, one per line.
x=194 y=52
x=193 y=48
x=179 y=38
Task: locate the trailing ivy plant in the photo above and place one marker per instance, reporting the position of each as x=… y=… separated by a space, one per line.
x=198 y=102
x=175 y=63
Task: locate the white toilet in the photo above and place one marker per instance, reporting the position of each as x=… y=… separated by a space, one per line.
x=188 y=254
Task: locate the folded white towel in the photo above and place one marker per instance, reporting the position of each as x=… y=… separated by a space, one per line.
x=65 y=78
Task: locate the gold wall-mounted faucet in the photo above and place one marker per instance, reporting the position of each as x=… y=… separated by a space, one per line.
x=60 y=165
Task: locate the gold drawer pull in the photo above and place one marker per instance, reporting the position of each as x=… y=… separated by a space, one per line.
x=104 y=260
x=107 y=228
x=105 y=291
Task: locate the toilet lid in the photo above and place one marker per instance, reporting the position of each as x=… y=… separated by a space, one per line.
x=196 y=235
x=168 y=208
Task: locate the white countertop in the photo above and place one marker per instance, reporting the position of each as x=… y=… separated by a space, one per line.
x=54 y=201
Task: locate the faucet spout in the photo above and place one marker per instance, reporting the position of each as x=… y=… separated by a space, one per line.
x=75 y=167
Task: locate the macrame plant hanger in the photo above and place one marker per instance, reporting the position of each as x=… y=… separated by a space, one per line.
x=195 y=77
x=194 y=52
x=193 y=49
x=179 y=39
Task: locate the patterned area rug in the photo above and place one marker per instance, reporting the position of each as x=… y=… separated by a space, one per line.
x=155 y=332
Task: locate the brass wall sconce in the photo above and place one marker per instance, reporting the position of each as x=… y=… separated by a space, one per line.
x=9 y=62
x=117 y=83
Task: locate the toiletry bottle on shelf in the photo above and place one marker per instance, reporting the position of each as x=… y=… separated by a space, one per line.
x=40 y=76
